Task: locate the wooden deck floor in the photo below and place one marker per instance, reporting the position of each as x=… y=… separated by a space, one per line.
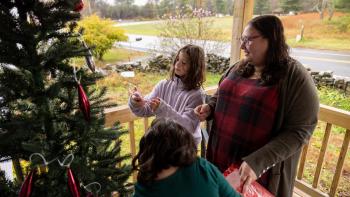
x=298 y=193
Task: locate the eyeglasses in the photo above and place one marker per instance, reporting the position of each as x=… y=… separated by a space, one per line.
x=248 y=39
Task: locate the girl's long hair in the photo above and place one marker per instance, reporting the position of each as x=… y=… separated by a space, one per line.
x=277 y=56
x=196 y=73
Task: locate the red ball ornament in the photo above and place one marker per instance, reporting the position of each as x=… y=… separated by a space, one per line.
x=84 y=103
x=72 y=184
x=27 y=186
x=79 y=6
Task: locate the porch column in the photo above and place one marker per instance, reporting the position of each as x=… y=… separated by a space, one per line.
x=242 y=13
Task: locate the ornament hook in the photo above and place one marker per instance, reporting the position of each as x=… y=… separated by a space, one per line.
x=45 y=163
x=63 y=163
x=75 y=75
x=88 y=187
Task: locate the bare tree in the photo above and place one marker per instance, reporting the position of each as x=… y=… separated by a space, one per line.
x=322 y=5
x=192 y=28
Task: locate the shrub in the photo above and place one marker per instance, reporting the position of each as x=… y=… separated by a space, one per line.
x=101 y=34
x=342 y=24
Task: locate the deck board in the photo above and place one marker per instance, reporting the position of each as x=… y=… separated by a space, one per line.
x=298 y=193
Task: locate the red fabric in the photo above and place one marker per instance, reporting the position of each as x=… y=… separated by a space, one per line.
x=244 y=117
x=254 y=190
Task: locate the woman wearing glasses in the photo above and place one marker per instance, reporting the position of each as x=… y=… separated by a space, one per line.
x=264 y=110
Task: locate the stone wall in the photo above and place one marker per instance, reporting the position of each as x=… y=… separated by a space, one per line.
x=218 y=64
x=326 y=78
x=126 y=66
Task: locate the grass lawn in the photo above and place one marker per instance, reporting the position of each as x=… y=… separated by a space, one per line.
x=118 y=54
x=322 y=43
x=118 y=86
x=143 y=29
x=114 y=55
x=224 y=24
x=318 y=34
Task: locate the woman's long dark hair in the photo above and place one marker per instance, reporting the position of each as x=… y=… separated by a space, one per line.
x=277 y=56
x=165 y=144
x=196 y=73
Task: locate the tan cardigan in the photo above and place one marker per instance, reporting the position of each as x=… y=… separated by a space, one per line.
x=295 y=121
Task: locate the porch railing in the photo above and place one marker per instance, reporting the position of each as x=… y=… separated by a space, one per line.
x=330 y=115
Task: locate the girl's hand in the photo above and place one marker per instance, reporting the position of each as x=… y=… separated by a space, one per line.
x=154 y=103
x=136 y=97
x=202 y=111
x=247 y=175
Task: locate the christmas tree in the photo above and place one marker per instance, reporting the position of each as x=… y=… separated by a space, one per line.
x=48 y=109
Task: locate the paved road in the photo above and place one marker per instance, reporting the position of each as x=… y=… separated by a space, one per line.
x=317 y=60
x=321 y=60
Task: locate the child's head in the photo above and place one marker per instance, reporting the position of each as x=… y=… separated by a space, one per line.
x=165 y=144
x=189 y=65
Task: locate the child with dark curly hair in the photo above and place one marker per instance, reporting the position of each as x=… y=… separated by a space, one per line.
x=167 y=165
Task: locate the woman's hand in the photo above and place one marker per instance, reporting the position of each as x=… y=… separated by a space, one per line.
x=202 y=111
x=154 y=103
x=247 y=175
x=136 y=97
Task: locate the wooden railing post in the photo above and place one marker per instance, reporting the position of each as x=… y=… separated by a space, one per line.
x=322 y=154
x=302 y=161
x=132 y=144
x=340 y=164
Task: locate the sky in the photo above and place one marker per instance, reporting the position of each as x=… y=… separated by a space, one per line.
x=137 y=2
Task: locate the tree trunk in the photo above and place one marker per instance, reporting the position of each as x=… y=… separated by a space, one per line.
x=325 y=4
x=200 y=28
x=318 y=8
x=330 y=9
x=321 y=14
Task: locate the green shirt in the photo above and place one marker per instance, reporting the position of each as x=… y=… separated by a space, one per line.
x=198 y=179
